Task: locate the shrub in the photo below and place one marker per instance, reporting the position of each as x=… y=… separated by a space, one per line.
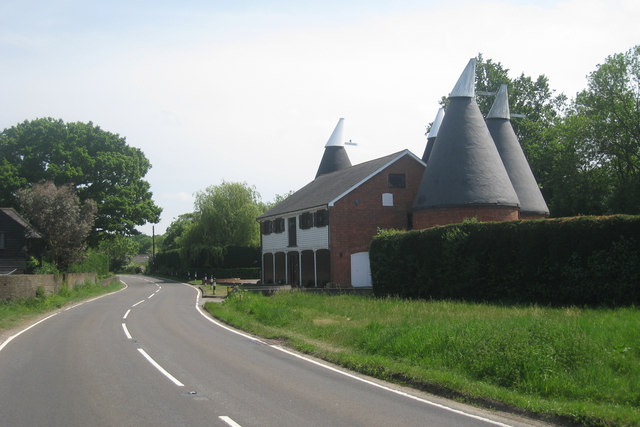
x=566 y=261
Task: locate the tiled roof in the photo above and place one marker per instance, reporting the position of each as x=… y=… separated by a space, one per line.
x=329 y=188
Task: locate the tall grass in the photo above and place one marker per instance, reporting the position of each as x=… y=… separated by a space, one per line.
x=15 y=312
x=583 y=364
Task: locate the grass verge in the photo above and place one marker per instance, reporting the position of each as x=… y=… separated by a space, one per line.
x=16 y=312
x=567 y=365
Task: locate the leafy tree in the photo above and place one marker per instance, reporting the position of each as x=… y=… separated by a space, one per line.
x=120 y=249
x=63 y=220
x=175 y=231
x=226 y=215
x=99 y=164
x=608 y=112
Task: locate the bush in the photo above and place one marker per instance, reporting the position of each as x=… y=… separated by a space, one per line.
x=567 y=261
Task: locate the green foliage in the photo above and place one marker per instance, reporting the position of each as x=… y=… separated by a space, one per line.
x=581 y=364
x=225 y=215
x=221 y=233
x=119 y=249
x=579 y=261
x=99 y=164
x=64 y=222
x=95 y=262
x=46 y=268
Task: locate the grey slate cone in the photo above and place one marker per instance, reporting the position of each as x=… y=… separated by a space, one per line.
x=335 y=156
x=515 y=162
x=433 y=134
x=465 y=168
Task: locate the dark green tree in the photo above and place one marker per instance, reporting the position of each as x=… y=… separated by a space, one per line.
x=99 y=164
x=61 y=218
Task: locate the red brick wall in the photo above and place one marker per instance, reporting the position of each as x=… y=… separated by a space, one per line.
x=532 y=216
x=443 y=216
x=353 y=225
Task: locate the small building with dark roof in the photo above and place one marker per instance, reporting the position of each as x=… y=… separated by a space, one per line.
x=17 y=238
x=321 y=233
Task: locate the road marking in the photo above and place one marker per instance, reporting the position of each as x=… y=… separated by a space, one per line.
x=11 y=338
x=229 y=421
x=138 y=303
x=8 y=340
x=150 y=296
x=126 y=314
x=347 y=374
x=126 y=331
x=160 y=368
x=73 y=306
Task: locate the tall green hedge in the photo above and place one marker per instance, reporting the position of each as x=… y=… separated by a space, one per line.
x=568 y=261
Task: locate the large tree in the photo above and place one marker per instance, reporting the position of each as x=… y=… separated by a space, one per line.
x=61 y=218
x=608 y=118
x=226 y=215
x=99 y=164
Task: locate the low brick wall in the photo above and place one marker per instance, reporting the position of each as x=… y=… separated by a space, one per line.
x=16 y=286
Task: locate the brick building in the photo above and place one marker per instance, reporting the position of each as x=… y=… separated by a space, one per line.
x=322 y=232
x=471 y=168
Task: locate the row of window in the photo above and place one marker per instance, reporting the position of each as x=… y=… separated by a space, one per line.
x=306 y=221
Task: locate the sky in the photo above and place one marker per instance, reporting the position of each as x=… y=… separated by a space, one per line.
x=250 y=90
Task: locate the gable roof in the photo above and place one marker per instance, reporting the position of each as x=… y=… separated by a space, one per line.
x=327 y=189
x=29 y=230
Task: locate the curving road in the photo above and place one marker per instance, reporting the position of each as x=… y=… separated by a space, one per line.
x=148 y=355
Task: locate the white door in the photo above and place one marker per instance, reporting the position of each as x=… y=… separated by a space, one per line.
x=360 y=269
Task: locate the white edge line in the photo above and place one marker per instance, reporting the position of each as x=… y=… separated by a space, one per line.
x=138 y=303
x=383 y=387
x=12 y=337
x=126 y=331
x=160 y=368
x=331 y=368
x=229 y=421
x=126 y=314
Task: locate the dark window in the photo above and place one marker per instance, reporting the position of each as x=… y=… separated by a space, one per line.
x=321 y=218
x=278 y=225
x=293 y=241
x=306 y=221
x=409 y=221
x=1 y=240
x=396 y=180
x=267 y=227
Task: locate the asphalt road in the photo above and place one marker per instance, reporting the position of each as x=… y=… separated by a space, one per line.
x=147 y=355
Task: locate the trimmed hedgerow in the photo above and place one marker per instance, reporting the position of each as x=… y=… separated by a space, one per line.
x=591 y=261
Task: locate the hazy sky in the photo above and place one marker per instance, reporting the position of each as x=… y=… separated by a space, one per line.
x=250 y=91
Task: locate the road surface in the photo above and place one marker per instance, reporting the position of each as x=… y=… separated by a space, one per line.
x=148 y=355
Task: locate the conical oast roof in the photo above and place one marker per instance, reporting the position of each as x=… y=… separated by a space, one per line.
x=518 y=169
x=465 y=168
x=335 y=156
x=433 y=134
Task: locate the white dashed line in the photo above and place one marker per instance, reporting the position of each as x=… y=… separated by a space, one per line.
x=229 y=421
x=138 y=303
x=160 y=368
x=126 y=314
x=126 y=331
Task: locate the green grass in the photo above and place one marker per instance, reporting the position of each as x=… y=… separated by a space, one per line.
x=572 y=364
x=16 y=312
